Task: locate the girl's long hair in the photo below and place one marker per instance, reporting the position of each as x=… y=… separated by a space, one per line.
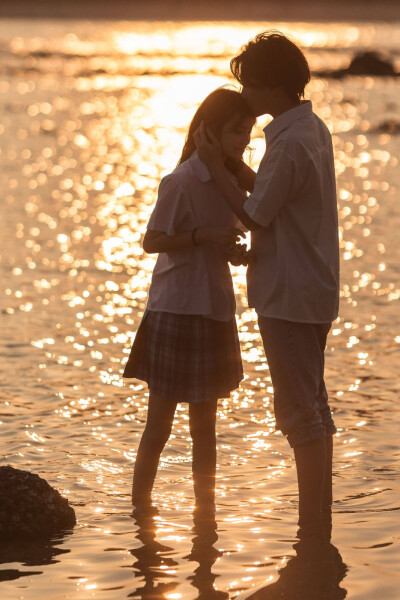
x=221 y=106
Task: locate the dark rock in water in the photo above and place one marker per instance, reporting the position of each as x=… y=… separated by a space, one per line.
x=30 y=507
x=389 y=126
x=364 y=63
x=370 y=63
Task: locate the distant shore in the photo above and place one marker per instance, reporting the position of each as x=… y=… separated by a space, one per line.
x=203 y=10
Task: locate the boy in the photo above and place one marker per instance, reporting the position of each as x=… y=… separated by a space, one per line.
x=294 y=282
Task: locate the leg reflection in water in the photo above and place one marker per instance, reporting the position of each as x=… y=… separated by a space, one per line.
x=152 y=558
x=204 y=552
x=315 y=573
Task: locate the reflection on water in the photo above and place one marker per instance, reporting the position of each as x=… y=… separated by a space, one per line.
x=156 y=566
x=92 y=117
x=311 y=574
x=29 y=554
x=153 y=561
x=205 y=554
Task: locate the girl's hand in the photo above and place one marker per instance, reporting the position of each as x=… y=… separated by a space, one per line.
x=239 y=255
x=220 y=235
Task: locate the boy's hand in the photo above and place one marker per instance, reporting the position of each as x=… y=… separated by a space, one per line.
x=208 y=147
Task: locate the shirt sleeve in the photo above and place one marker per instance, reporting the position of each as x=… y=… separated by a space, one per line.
x=272 y=187
x=171 y=208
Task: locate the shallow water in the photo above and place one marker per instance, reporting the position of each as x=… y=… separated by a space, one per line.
x=92 y=116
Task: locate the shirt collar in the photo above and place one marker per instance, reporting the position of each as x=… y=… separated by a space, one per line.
x=199 y=167
x=286 y=118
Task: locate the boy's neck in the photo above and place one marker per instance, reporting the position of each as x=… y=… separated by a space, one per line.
x=283 y=106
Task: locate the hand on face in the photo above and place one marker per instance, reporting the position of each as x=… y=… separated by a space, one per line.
x=208 y=147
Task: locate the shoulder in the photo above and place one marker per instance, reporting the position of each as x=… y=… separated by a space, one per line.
x=287 y=146
x=179 y=179
x=171 y=184
x=315 y=128
x=307 y=136
x=322 y=127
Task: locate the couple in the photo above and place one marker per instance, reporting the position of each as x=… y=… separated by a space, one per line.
x=187 y=347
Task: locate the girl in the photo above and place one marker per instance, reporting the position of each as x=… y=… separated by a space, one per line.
x=187 y=346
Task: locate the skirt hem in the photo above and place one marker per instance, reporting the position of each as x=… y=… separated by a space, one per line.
x=186 y=357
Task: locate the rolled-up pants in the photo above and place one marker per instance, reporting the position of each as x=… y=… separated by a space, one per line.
x=295 y=356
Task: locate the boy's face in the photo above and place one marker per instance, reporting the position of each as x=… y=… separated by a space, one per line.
x=260 y=99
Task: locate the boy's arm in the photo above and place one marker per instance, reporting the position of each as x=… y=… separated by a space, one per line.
x=155 y=242
x=210 y=153
x=246 y=177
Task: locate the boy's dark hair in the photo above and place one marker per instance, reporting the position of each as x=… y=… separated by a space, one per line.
x=271 y=59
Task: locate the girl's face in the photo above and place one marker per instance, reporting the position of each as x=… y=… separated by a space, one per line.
x=235 y=137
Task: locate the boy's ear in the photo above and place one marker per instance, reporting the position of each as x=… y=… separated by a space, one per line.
x=275 y=92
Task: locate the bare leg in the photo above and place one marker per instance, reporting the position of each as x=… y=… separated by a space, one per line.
x=311 y=467
x=160 y=416
x=327 y=493
x=202 y=429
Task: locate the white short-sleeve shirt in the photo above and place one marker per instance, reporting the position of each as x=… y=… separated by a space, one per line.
x=296 y=272
x=196 y=280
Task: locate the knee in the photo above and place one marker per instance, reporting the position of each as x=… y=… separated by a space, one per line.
x=203 y=431
x=156 y=438
x=202 y=418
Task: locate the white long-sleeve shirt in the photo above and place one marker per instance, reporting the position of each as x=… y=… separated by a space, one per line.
x=296 y=273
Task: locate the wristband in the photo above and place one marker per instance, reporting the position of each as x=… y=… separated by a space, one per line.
x=193 y=234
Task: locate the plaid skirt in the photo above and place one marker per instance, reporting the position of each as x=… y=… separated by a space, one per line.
x=186 y=358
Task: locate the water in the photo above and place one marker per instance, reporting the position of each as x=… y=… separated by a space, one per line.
x=93 y=114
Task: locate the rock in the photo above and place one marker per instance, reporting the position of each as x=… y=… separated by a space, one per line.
x=390 y=126
x=370 y=63
x=364 y=63
x=30 y=508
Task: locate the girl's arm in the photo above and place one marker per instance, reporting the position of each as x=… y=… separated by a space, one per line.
x=155 y=242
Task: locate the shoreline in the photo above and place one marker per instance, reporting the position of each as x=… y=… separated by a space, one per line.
x=177 y=10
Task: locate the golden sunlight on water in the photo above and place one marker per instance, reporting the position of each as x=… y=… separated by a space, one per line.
x=93 y=117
